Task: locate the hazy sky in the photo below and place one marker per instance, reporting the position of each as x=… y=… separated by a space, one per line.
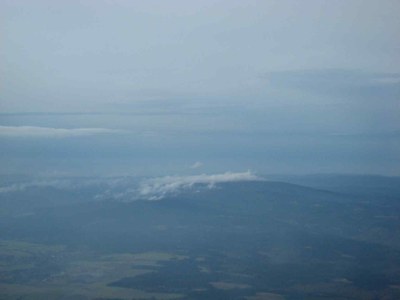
x=158 y=86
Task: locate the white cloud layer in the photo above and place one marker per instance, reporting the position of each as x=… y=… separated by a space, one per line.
x=33 y=131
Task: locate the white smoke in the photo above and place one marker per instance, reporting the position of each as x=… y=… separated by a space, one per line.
x=157 y=188
x=132 y=188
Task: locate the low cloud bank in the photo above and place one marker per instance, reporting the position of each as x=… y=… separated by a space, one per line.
x=61 y=184
x=33 y=131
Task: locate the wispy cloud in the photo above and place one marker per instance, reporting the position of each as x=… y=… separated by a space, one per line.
x=33 y=131
x=389 y=80
x=157 y=188
x=196 y=165
x=60 y=183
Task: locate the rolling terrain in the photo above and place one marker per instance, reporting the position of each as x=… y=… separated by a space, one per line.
x=234 y=240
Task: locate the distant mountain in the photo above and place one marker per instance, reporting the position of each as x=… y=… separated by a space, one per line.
x=361 y=185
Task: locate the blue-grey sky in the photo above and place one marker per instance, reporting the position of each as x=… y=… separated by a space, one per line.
x=157 y=87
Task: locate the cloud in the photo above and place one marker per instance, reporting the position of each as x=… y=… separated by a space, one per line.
x=388 y=80
x=33 y=131
x=158 y=188
x=20 y=187
x=60 y=183
x=196 y=165
x=349 y=84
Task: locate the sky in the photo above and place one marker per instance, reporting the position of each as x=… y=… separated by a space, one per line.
x=190 y=87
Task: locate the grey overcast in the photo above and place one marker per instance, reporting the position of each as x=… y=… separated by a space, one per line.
x=187 y=87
